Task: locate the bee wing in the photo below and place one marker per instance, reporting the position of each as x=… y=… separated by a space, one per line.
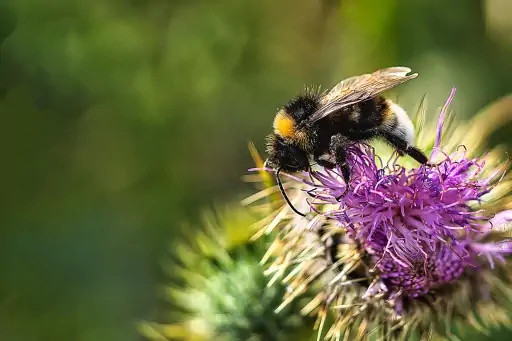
x=359 y=88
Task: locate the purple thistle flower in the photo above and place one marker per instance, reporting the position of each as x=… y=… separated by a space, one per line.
x=417 y=224
x=397 y=238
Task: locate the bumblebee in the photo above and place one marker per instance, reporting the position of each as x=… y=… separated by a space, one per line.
x=319 y=126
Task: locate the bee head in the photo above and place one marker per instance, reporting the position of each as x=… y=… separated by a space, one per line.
x=285 y=155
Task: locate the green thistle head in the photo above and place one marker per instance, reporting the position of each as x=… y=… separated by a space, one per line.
x=219 y=287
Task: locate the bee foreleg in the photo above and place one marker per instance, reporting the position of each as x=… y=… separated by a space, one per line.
x=338 y=148
x=324 y=160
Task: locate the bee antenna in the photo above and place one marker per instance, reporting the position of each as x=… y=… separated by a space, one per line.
x=284 y=193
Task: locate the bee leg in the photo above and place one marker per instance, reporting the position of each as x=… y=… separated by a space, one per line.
x=403 y=148
x=324 y=161
x=338 y=146
x=345 y=171
x=418 y=155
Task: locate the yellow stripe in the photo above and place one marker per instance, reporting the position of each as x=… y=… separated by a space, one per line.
x=284 y=125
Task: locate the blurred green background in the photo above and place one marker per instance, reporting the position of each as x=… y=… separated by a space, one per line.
x=121 y=119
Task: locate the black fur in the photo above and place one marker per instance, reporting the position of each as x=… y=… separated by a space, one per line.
x=359 y=122
x=285 y=155
x=302 y=107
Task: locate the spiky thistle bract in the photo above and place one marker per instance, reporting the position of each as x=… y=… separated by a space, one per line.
x=218 y=290
x=410 y=252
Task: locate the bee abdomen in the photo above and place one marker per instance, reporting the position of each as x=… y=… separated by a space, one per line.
x=398 y=123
